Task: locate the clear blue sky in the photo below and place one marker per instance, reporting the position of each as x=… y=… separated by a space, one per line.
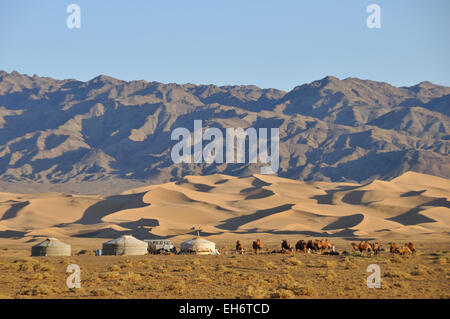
x=268 y=43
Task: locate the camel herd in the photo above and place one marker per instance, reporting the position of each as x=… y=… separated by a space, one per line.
x=257 y=246
x=366 y=246
x=301 y=246
x=407 y=249
x=321 y=246
x=314 y=246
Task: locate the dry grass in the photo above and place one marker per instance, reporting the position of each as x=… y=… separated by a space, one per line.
x=421 y=270
x=178 y=286
x=256 y=292
x=101 y=292
x=292 y=261
x=425 y=275
x=37 y=290
x=270 y=266
x=396 y=259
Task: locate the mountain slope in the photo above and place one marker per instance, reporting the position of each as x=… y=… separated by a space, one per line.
x=106 y=129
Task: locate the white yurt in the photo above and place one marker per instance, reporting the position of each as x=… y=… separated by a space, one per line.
x=199 y=246
x=125 y=245
x=51 y=247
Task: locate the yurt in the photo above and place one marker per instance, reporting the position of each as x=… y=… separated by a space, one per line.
x=199 y=246
x=125 y=245
x=51 y=247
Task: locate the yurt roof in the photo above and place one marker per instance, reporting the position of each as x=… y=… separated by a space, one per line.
x=198 y=242
x=51 y=242
x=126 y=240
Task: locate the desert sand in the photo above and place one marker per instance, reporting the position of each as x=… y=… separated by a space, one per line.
x=413 y=207
x=223 y=208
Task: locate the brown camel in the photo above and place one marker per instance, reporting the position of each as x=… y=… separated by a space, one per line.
x=411 y=247
x=312 y=246
x=300 y=246
x=257 y=246
x=405 y=250
x=376 y=248
x=285 y=246
x=363 y=246
x=394 y=249
x=239 y=248
x=326 y=244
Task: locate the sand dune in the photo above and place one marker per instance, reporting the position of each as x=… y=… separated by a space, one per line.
x=411 y=206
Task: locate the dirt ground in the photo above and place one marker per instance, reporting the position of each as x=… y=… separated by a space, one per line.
x=267 y=275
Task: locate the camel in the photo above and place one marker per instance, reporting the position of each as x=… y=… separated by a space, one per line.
x=355 y=247
x=411 y=247
x=318 y=244
x=405 y=250
x=285 y=246
x=363 y=246
x=376 y=248
x=394 y=249
x=300 y=246
x=325 y=244
x=257 y=246
x=239 y=248
x=311 y=246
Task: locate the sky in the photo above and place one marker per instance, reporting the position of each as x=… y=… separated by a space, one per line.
x=272 y=44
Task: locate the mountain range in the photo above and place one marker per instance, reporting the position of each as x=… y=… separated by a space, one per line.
x=113 y=131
